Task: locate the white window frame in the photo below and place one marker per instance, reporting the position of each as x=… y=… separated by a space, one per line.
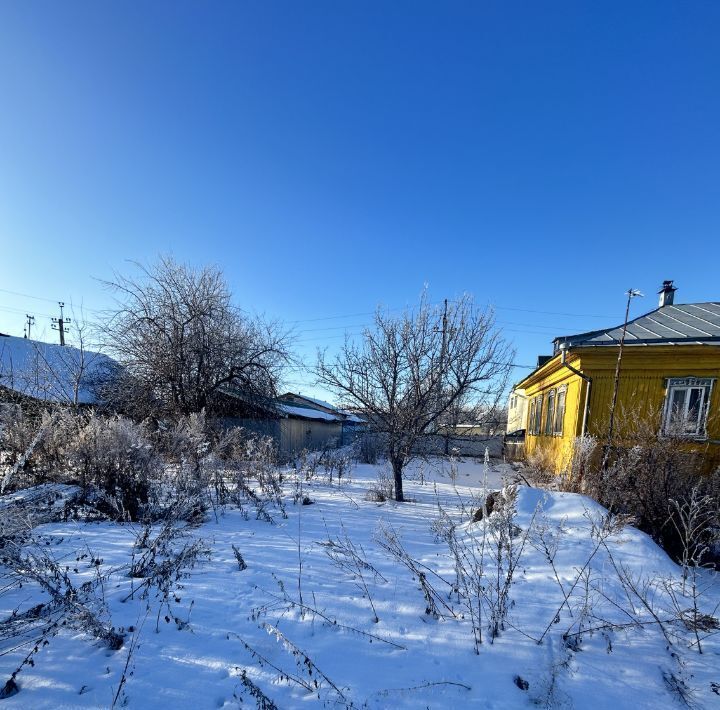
x=540 y=403
x=535 y=418
x=549 y=407
x=561 y=391
x=531 y=417
x=675 y=384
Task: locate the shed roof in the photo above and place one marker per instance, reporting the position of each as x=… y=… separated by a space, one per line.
x=302 y=400
x=307 y=412
x=303 y=406
x=668 y=325
x=50 y=372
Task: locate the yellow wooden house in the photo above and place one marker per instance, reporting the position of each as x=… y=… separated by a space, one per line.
x=669 y=374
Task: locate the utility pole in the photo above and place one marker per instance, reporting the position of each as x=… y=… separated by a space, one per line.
x=444 y=340
x=443 y=348
x=59 y=324
x=29 y=324
x=631 y=293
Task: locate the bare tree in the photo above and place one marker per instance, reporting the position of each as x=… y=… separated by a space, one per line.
x=182 y=342
x=411 y=370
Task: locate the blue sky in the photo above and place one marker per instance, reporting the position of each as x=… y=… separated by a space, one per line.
x=330 y=156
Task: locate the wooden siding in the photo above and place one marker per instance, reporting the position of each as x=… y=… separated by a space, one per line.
x=299 y=434
x=641 y=392
x=555 y=451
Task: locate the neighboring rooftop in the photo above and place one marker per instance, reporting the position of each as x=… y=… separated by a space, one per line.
x=352 y=417
x=313 y=400
x=50 y=372
x=307 y=412
x=299 y=405
x=668 y=325
x=300 y=400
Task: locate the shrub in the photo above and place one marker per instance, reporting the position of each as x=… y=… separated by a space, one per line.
x=116 y=455
x=585 y=455
x=382 y=489
x=646 y=471
x=16 y=432
x=33 y=447
x=336 y=463
x=367 y=448
x=540 y=467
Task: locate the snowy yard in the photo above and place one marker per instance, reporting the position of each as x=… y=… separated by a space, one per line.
x=229 y=637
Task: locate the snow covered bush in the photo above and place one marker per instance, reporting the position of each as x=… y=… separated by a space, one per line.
x=18 y=437
x=336 y=463
x=208 y=466
x=585 y=454
x=243 y=468
x=306 y=465
x=647 y=471
x=486 y=552
x=17 y=430
x=33 y=447
x=367 y=448
x=540 y=467
x=187 y=447
x=382 y=489
x=117 y=457
x=260 y=463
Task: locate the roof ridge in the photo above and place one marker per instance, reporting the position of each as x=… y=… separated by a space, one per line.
x=671 y=323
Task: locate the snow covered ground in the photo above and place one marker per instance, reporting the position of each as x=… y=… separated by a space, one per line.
x=228 y=631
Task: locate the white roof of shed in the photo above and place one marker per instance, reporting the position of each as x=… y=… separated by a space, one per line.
x=50 y=372
x=306 y=412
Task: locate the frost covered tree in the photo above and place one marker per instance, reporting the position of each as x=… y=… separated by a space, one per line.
x=409 y=372
x=181 y=341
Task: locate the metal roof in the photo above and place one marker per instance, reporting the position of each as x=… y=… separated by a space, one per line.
x=673 y=324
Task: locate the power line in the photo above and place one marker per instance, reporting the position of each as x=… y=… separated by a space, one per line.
x=368 y=325
x=305 y=341
x=27 y=295
x=345 y=315
x=335 y=327
x=309 y=368
x=350 y=329
x=552 y=313
x=351 y=315
x=24 y=311
x=495 y=306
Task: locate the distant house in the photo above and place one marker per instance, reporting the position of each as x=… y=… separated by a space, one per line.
x=517 y=411
x=33 y=372
x=669 y=373
x=300 y=423
x=329 y=423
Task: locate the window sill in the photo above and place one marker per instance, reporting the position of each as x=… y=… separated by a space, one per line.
x=688 y=437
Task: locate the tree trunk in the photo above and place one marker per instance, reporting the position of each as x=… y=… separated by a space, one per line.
x=397 y=466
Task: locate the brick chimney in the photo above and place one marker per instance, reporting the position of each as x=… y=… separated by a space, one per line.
x=667 y=294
